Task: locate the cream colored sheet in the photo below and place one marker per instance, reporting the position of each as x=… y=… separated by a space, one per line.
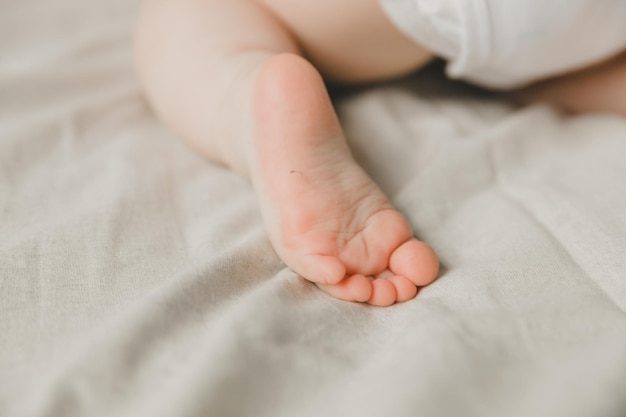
x=136 y=278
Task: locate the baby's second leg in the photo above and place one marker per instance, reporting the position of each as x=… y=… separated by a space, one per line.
x=228 y=77
x=600 y=88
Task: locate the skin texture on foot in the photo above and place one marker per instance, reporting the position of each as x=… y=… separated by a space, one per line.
x=327 y=220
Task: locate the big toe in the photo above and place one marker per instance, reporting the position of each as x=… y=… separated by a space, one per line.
x=416 y=261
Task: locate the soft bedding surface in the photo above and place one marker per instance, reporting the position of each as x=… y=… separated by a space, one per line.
x=136 y=278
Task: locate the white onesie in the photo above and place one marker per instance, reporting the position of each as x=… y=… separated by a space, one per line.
x=509 y=43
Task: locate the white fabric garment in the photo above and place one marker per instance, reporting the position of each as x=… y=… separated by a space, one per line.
x=504 y=44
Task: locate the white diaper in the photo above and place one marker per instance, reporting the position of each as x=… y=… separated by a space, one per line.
x=508 y=43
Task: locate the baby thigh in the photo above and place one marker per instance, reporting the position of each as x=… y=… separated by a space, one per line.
x=349 y=40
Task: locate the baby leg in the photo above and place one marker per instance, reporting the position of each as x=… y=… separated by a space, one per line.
x=600 y=88
x=228 y=76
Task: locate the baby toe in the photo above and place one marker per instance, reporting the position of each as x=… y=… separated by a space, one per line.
x=321 y=269
x=416 y=261
x=405 y=289
x=353 y=288
x=383 y=293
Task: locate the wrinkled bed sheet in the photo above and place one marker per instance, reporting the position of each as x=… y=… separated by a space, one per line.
x=136 y=278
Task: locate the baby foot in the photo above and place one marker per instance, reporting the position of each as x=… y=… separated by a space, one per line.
x=327 y=220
